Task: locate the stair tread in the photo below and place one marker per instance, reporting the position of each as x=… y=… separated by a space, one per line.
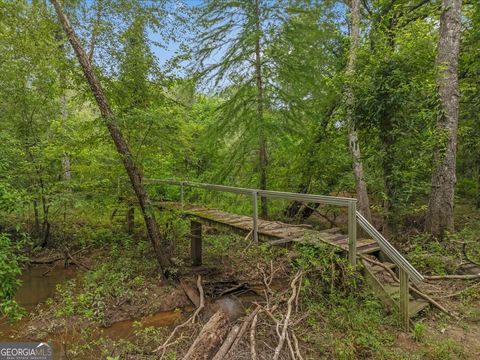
x=368 y=249
x=377 y=268
x=417 y=305
x=333 y=230
x=392 y=289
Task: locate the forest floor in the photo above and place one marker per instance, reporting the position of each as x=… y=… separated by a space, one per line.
x=114 y=305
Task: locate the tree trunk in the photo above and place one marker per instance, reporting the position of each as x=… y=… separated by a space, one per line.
x=388 y=140
x=296 y=209
x=67 y=175
x=43 y=234
x=263 y=155
x=95 y=30
x=477 y=203
x=133 y=172
x=363 y=204
x=440 y=208
x=36 y=219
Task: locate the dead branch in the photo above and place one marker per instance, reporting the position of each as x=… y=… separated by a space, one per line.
x=253 y=347
x=227 y=344
x=332 y=222
x=290 y=347
x=244 y=328
x=51 y=261
x=73 y=261
x=202 y=299
x=293 y=286
x=458 y=292
x=47 y=261
x=298 y=293
x=297 y=348
x=465 y=254
x=251 y=241
x=235 y=288
x=453 y=277
x=190 y=320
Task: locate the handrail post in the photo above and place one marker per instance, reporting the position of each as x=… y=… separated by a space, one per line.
x=255 y=216
x=352 y=233
x=404 y=300
x=182 y=194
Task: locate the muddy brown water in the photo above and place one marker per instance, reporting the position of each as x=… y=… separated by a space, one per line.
x=37 y=287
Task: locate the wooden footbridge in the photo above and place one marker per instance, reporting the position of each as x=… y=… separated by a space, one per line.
x=384 y=268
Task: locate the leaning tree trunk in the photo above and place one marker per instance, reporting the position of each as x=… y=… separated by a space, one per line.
x=120 y=143
x=360 y=184
x=440 y=209
x=263 y=155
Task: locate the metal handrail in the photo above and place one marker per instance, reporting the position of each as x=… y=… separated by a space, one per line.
x=330 y=200
x=389 y=250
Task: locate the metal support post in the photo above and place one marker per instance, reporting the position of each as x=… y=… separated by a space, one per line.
x=255 y=216
x=352 y=233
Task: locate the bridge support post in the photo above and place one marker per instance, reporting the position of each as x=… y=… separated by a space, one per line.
x=404 y=300
x=255 y=216
x=196 y=242
x=352 y=233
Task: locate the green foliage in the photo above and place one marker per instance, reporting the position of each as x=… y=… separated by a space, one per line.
x=418 y=331
x=350 y=318
x=10 y=269
x=430 y=256
x=333 y=274
x=118 y=279
x=446 y=350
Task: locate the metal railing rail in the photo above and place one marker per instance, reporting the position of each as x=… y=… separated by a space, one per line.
x=389 y=250
x=331 y=200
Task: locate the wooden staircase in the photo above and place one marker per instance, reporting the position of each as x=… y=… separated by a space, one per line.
x=378 y=273
x=388 y=289
x=124 y=216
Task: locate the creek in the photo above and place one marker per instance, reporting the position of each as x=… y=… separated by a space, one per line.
x=39 y=284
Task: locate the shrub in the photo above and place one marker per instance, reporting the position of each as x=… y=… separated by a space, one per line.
x=10 y=269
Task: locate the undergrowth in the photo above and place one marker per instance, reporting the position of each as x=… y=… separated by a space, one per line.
x=120 y=276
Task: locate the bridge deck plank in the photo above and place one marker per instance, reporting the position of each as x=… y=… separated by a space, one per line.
x=275 y=232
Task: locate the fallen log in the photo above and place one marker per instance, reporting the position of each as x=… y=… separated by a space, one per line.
x=452 y=277
x=52 y=260
x=227 y=344
x=210 y=338
x=191 y=293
